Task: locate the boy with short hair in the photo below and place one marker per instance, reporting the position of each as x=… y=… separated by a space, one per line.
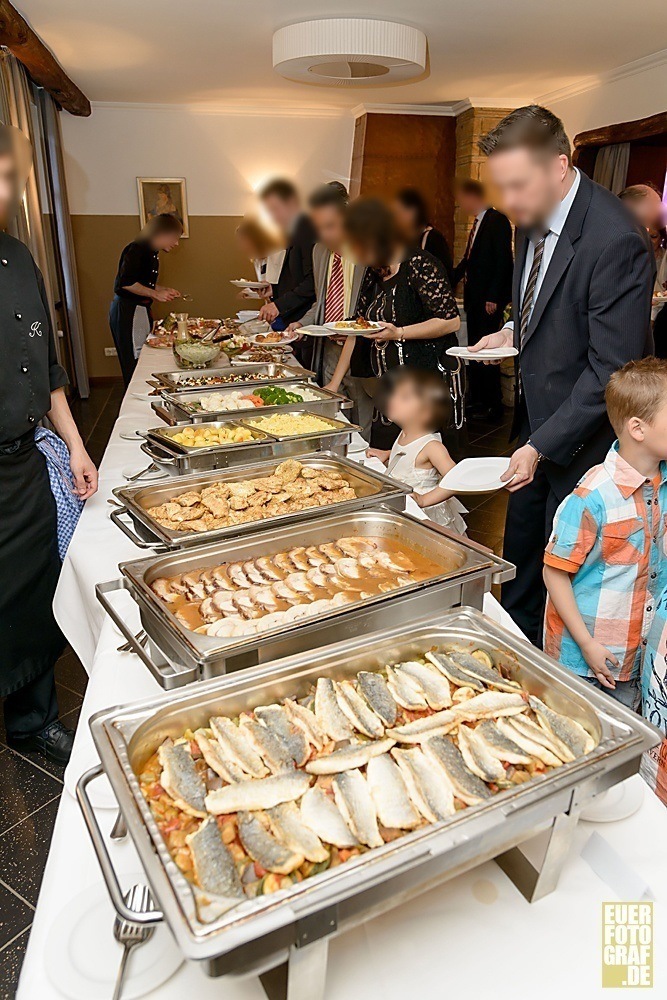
x=605 y=565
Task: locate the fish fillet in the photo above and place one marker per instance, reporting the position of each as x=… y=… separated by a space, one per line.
x=453 y=672
x=349 y=757
x=273 y=751
x=181 y=779
x=434 y=685
x=288 y=827
x=213 y=864
x=478 y=758
x=464 y=784
x=567 y=730
x=375 y=690
x=354 y=800
x=387 y=787
x=275 y=718
x=307 y=723
x=328 y=711
x=216 y=758
x=362 y=717
x=430 y=793
x=421 y=729
x=264 y=848
x=490 y=705
x=527 y=743
x=488 y=675
x=500 y=745
x=238 y=747
x=543 y=737
x=321 y=815
x=258 y=793
x=405 y=690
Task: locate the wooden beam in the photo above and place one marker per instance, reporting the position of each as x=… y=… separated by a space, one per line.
x=643 y=128
x=42 y=66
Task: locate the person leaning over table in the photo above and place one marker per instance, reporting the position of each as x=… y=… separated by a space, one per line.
x=136 y=288
x=338 y=282
x=581 y=302
x=31 y=388
x=405 y=289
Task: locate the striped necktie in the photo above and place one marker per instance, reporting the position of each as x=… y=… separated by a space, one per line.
x=529 y=294
x=471 y=237
x=335 y=306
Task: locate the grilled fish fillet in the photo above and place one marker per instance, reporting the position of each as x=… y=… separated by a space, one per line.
x=405 y=690
x=528 y=744
x=464 y=784
x=214 y=866
x=357 y=710
x=543 y=737
x=349 y=757
x=433 y=685
x=388 y=791
x=238 y=747
x=306 y=722
x=354 y=800
x=273 y=751
x=423 y=729
x=261 y=793
x=322 y=816
x=288 y=827
x=478 y=758
x=328 y=711
x=430 y=793
x=453 y=672
x=376 y=692
x=490 y=705
x=500 y=745
x=216 y=758
x=264 y=848
x=567 y=730
x=275 y=718
x=488 y=675
x=181 y=780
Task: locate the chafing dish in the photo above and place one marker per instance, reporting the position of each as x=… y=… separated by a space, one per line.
x=266 y=931
x=271 y=371
x=180 y=460
x=371 y=488
x=181 y=406
x=177 y=655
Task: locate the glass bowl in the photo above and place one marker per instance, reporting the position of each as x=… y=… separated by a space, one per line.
x=195 y=353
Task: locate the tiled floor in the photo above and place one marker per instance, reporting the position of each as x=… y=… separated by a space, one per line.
x=30 y=787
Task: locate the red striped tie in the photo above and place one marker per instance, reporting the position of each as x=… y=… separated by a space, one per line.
x=335 y=307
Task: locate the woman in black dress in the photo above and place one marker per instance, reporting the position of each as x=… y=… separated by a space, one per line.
x=414 y=225
x=136 y=288
x=31 y=387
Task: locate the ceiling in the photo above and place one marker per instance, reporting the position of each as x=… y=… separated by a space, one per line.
x=219 y=51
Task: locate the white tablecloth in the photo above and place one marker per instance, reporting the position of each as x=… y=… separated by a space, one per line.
x=474 y=935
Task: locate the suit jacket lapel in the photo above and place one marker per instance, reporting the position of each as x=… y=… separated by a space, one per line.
x=321 y=282
x=476 y=245
x=521 y=248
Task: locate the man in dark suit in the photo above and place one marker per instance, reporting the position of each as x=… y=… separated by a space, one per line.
x=486 y=270
x=294 y=292
x=581 y=303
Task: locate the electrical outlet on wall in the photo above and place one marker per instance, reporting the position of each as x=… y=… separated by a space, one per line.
x=110 y=352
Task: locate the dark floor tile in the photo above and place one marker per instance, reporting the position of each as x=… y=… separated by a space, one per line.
x=15 y=915
x=24 y=850
x=71 y=674
x=23 y=789
x=11 y=960
x=71 y=720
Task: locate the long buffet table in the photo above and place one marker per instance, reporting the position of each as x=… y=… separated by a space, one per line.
x=476 y=933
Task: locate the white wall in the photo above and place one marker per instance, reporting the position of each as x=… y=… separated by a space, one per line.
x=222 y=156
x=624 y=99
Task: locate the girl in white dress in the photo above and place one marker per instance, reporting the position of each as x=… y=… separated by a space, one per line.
x=419 y=404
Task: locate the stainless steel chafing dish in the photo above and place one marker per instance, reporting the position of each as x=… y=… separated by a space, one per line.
x=181 y=406
x=264 y=932
x=179 y=459
x=177 y=655
x=371 y=488
x=270 y=371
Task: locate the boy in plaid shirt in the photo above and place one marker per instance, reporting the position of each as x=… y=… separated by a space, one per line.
x=605 y=566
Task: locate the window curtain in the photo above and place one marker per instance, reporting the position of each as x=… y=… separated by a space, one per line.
x=611 y=166
x=43 y=222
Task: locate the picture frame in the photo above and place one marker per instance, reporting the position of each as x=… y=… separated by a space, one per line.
x=162 y=196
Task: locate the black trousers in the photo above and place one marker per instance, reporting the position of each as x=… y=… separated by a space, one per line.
x=660 y=333
x=33 y=707
x=121 y=318
x=530 y=514
x=483 y=380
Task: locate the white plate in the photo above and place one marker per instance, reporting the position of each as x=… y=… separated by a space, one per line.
x=335 y=328
x=81 y=956
x=289 y=338
x=132 y=470
x=131 y=436
x=145 y=397
x=488 y=354
x=246 y=315
x=616 y=803
x=316 y=331
x=476 y=475
x=242 y=283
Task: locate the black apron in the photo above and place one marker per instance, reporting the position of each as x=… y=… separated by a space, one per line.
x=30 y=640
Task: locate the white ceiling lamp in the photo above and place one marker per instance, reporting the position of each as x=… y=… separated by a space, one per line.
x=349 y=52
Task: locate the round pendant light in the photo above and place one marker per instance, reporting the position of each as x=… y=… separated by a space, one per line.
x=349 y=52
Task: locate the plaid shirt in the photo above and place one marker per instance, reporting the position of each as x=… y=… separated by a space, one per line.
x=610 y=535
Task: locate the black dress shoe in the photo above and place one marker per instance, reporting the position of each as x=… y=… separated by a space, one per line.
x=55 y=741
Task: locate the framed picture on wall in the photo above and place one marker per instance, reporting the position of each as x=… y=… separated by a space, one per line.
x=163 y=196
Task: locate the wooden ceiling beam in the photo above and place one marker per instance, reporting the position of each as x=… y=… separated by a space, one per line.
x=42 y=66
x=643 y=128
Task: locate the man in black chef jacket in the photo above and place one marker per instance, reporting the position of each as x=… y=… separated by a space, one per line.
x=294 y=292
x=31 y=387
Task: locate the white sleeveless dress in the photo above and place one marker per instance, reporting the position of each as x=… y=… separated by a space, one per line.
x=402 y=466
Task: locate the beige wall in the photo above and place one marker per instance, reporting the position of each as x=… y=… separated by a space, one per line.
x=200 y=266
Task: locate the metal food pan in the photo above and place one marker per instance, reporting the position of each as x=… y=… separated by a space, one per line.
x=263 y=932
x=165 y=436
x=177 y=406
x=271 y=371
x=371 y=488
x=177 y=655
x=297 y=410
